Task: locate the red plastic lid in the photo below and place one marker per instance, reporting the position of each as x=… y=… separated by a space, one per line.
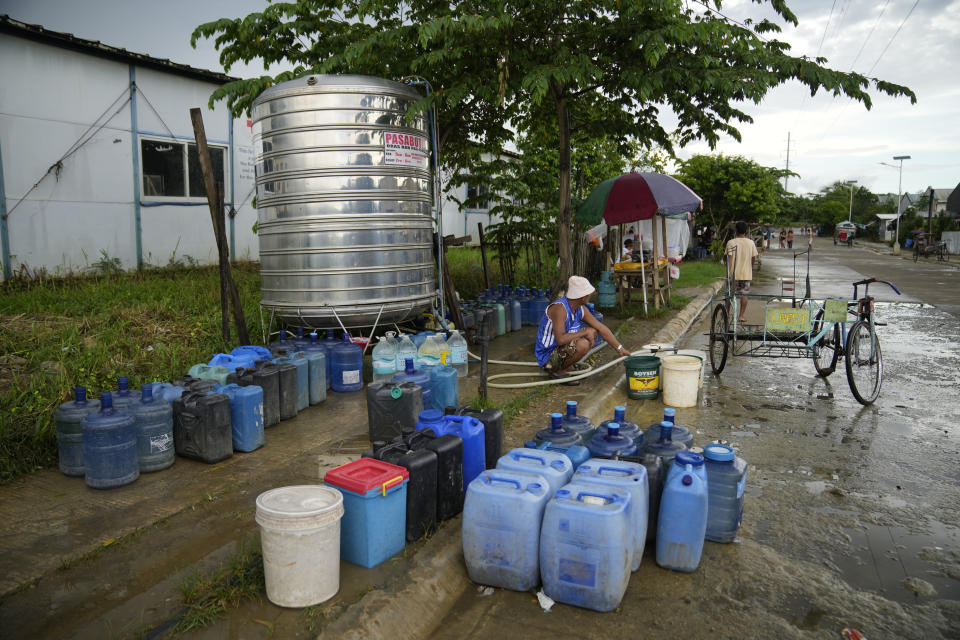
x=360 y=476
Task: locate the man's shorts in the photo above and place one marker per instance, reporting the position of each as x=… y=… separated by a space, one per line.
x=562 y=356
x=742 y=286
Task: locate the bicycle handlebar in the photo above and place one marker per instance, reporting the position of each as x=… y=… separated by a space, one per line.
x=868 y=281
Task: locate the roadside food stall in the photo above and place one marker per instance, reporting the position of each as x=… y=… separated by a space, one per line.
x=651 y=201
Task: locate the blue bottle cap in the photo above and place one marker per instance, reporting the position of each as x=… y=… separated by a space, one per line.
x=619 y=413
x=80 y=395
x=670 y=412
x=146 y=393
x=123 y=383
x=314 y=337
x=613 y=430
x=571 y=407
x=556 y=421
x=718 y=452
x=666 y=430
x=106 y=401
x=688 y=457
x=408 y=365
x=687 y=480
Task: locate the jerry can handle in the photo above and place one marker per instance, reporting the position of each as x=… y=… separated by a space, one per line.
x=614 y=470
x=489 y=479
x=516 y=456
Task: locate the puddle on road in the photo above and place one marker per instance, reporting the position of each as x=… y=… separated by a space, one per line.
x=902 y=565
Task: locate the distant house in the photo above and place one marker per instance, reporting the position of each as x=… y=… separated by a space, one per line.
x=953 y=202
x=936 y=201
x=99 y=157
x=908 y=200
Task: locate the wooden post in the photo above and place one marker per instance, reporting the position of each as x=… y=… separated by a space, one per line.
x=449 y=290
x=666 y=254
x=228 y=288
x=224 y=292
x=655 y=264
x=483 y=254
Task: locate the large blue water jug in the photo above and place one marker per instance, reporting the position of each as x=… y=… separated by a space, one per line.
x=580 y=424
x=327 y=344
x=610 y=443
x=682 y=524
x=419 y=377
x=123 y=397
x=502 y=516
x=516 y=314
x=625 y=476
x=166 y=391
x=69 y=418
x=627 y=428
x=663 y=445
x=539 y=306
x=470 y=430
x=109 y=446
x=347 y=367
x=430 y=419
x=154 y=422
x=444 y=389
x=317 y=370
x=553 y=466
x=726 y=479
x=284 y=343
x=586 y=546
x=558 y=434
x=577 y=454
x=246 y=415
x=301 y=338
x=680 y=433
x=297 y=359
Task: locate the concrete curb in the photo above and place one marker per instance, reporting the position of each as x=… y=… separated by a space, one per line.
x=438 y=576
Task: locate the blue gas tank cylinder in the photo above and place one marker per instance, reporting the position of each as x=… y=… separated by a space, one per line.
x=246 y=415
x=586 y=546
x=316 y=355
x=680 y=433
x=69 y=418
x=470 y=430
x=682 y=524
x=154 y=423
x=297 y=359
x=623 y=476
x=502 y=517
x=558 y=434
x=580 y=424
x=109 y=446
x=726 y=479
x=555 y=467
x=419 y=377
x=627 y=428
x=347 y=367
x=610 y=443
x=577 y=454
x=663 y=445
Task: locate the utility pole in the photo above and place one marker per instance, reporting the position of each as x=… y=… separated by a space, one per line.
x=896 y=242
x=785 y=178
x=851 y=183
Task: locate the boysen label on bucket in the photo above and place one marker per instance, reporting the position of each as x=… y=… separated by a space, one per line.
x=639 y=382
x=643 y=377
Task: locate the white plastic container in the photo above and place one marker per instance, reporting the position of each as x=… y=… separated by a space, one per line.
x=696 y=353
x=300 y=537
x=680 y=376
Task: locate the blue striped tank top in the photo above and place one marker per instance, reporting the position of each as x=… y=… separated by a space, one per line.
x=546 y=341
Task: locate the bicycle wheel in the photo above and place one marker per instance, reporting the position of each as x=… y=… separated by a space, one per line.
x=864 y=363
x=826 y=351
x=719 y=332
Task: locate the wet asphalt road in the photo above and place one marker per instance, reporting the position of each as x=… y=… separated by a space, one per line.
x=852 y=514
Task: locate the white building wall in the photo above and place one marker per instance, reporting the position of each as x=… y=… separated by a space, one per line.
x=462 y=221
x=85 y=209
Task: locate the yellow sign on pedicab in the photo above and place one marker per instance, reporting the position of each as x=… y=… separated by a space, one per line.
x=787 y=319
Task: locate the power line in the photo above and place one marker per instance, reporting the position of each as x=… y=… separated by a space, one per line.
x=825 y=27
x=869 y=35
x=907 y=17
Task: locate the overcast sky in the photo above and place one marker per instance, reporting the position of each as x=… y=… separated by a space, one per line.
x=830 y=139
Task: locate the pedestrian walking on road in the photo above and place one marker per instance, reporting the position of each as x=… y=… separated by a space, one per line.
x=741 y=252
x=790 y=238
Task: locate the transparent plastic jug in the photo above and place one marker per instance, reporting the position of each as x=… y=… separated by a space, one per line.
x=458 y=353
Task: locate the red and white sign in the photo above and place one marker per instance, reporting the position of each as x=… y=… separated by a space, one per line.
x=405 y=149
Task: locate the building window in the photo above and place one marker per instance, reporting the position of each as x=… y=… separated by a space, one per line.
x=477 y=196
x=171 y=169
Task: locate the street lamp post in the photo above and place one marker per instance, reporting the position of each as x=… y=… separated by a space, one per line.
x=851 y=183
x=896 y=242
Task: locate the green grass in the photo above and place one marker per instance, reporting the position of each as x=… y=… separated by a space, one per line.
x=699 y=273
x=466 y=269
x=56 y=334
x=207 y=597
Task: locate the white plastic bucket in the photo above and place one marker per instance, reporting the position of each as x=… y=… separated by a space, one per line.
x=696 y=353
x=679 y=376
x=300 y=537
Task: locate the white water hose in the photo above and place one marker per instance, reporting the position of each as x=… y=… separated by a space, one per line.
x=586 y=373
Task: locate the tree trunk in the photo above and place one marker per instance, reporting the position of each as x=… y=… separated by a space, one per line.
x=563 y=211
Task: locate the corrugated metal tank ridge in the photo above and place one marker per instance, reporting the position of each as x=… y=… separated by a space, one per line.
x=344 y=221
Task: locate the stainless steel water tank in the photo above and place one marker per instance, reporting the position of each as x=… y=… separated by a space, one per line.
x=344 y=195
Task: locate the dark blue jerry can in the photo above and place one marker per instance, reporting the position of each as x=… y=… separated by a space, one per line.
x=246 y=415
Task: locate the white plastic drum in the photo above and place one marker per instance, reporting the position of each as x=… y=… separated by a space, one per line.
x=300 y=537
x=679 y=376
x=696 y=353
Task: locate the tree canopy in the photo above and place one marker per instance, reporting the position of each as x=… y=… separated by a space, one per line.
x=594 y=67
